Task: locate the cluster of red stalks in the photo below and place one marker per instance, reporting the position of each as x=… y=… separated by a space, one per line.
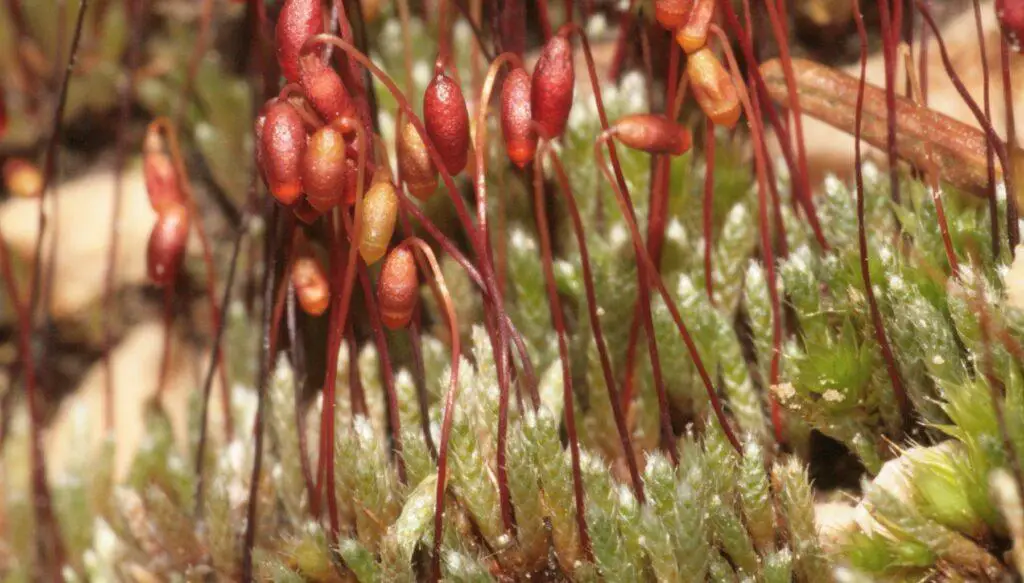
x=321 y=158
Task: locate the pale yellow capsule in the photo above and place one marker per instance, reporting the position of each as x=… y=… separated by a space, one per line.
x=380 y=210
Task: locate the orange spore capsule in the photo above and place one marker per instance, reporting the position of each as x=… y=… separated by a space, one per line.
x=446 y=120
x=713 y=88
x=693 y=35
x=311 y=286
x=324 y=169
x=380 y=210
x=516 y=118
x=167 y=241
x=158 y=171
x=324 y=90
x=22 y=178
x=671 y=14
x=414 y=163
x=398 y=288
x=298 y=21
x=552 y=86
x=654 y=134
x=284 y=145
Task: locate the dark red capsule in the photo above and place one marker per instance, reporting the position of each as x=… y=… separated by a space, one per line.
x=654 y=134
x=1011 y=20
x=324 y=90
x=446 y=120
x=283 y=140
x=324 y=169
x=298 y=21
x=398 y=288
x=552 y=87
x=517 y=118
x=167 y=242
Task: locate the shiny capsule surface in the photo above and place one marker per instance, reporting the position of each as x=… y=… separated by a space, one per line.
x=324 y=169
x=324 y=90
x=418 y=170
x=517 y=117
x=380 y=210
x=713 y=89
x=446 y=120
x=297 y=22
x=552 y=86
x=167 y=241
x=654 y=134
x=283 y=140
x=398 y=288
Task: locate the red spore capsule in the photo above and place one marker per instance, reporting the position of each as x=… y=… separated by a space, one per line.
x=324 y=168
x=654 y=134
x=324 y=90
x=672 y=14
x=517 y=118
x=167 y=241
x=414 y=163
x=1011 y=20
x=446 y=120
x=298 y=21
x=159 y=174
x=284 y=144
x=397 y=288
x=552 y=87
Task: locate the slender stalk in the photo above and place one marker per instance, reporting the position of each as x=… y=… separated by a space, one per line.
x=622 y=197
x=889 y=58
x=746 y=44
x=708 y=202
x=50 y=166
x=163 y=124
x=341 y=290
x=983 y=121
x=862 y=241
x=208 y=378
x=993 y=204
x=50 y=551
x=126 y=91
x=444 y=298
x=558 y=321
x=1012 y=212
x=565 y=190
x=782 y=41
x=668 y=436
x=479 y=244
x=931 y=173
x=388 y=373
x=271 y=213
